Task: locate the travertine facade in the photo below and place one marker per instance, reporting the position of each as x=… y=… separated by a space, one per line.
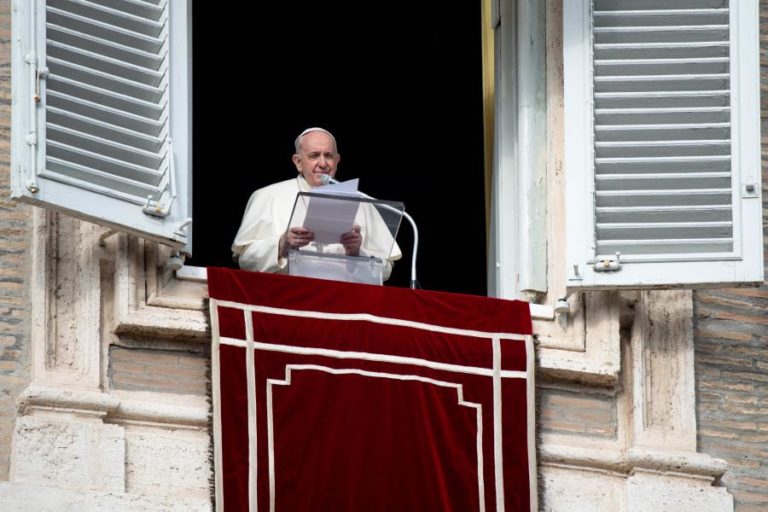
x=647 y=401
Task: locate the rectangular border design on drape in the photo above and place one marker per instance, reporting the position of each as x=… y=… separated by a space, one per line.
x=339 y=396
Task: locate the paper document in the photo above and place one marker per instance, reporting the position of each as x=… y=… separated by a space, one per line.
x=329 y=218
x=348 y=187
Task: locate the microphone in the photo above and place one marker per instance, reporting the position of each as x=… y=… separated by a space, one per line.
x=326 y=179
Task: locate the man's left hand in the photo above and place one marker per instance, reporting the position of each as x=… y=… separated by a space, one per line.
x=352 y=241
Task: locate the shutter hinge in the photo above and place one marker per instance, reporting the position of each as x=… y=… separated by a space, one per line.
x=40 y=74
x=608 y=263
x=156 y=208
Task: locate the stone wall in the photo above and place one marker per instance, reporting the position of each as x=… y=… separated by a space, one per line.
x=15 y=227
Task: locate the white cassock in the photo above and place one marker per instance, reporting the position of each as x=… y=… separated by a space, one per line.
x=267 y=216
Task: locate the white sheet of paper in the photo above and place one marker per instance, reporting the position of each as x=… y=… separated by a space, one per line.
x=343 y=187
x=329 y=218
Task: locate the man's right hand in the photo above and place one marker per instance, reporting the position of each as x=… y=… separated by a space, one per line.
x=294 y=238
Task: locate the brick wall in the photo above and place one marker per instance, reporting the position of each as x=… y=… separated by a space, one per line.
x=183 y=369
x=15 y=224
x=576 y=410
x=731 y=339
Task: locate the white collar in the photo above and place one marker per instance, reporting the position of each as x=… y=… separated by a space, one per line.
x=303 y=185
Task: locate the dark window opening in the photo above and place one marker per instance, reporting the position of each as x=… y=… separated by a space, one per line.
x=399 y=85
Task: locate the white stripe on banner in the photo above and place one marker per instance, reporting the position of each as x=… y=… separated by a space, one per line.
x=531 y=403
x=270 y=447
x=218 y=463
x=368 y=356
x=366 y=317
x=381 y=375
x=498 y=459
x=250 y=372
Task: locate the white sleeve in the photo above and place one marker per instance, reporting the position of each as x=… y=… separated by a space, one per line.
x=256 y=242
x=262 y=256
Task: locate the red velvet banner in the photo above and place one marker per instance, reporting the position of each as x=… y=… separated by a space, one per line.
x=339 y=396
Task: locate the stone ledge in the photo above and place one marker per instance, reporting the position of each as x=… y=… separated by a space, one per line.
x=118 y=408
x=691 y=463
x=683 y=463
x=15 y=497
x=136 y=409
x=164 y=322
x=76 y=400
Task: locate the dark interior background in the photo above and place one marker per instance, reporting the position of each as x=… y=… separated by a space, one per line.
x=398 y=84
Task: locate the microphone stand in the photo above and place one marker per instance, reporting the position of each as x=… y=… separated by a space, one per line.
x=327 y=179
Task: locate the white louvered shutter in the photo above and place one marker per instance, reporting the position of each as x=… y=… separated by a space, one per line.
x=101 y=112
x=662 y=143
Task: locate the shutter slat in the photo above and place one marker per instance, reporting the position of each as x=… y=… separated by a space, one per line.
x=667 y=34
x=652 y=160
x=96 y=78
x=89 y=180
x=101 y=162
x=145 y=109
x=672 y=247
x=663 y=230
x=667 y=115
x=663 y=132
x=635 y=5
x=129 y=189
x=96 y=144
x=659 y=99
x=662 y=17
x=652 y=214
x=691 y=50
x=654 y=165
x=670 y=181
x=659 y=67
x=111 y=132
x=120 y=18
x=85 y=108
x=69 y=55
x=140 y=8
x=103 y=30
x=149 y=60
x=656 y=149
x=679 y=197
x=661 y=83
x=662 y=116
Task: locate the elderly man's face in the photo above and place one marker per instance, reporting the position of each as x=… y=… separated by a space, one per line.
x=317 y=157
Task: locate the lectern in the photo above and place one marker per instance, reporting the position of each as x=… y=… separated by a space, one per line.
x=329 y=216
